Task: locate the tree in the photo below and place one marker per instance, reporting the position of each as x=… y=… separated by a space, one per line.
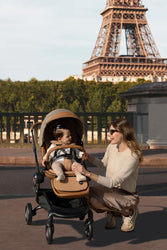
x=76 y=95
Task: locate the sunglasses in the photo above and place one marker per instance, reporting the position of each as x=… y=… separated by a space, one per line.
x=112 y=131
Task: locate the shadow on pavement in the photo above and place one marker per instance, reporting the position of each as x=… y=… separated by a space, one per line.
x=150 y=226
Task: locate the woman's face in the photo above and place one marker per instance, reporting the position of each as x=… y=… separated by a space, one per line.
x=115 y=136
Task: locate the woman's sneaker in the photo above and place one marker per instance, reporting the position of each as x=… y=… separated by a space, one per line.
x=129 y=222
x=111 y=221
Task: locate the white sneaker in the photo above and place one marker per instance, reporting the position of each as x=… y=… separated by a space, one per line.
x=111 y=221
x=129 y=222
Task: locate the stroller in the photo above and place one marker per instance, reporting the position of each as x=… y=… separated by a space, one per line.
x=66 y=199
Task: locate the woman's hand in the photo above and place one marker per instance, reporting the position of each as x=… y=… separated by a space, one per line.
x=78 y=168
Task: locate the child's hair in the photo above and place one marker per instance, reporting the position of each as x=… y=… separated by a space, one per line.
x=58 y=132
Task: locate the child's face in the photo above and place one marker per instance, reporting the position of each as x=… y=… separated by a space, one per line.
x=66 y=138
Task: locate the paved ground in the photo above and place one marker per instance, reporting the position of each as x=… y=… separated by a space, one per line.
x=16 y=191
x=150 y=232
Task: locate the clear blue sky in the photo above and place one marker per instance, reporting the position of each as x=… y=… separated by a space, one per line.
x=50 y=39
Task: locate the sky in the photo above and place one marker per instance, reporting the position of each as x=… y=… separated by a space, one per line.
x=51 y=39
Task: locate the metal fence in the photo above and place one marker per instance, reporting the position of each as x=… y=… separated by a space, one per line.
x=15 y=127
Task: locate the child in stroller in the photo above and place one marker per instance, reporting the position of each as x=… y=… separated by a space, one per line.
x=62 y=136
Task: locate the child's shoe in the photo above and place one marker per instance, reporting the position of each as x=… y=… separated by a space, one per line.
x=80 y=177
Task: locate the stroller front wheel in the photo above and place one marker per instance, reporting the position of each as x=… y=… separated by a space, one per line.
x=49 y=233
x=28 y=213
x=88 y=229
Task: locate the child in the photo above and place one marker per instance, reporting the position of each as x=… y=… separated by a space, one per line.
x=62 y=137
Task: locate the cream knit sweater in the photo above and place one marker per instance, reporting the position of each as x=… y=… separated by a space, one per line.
x=121 y=168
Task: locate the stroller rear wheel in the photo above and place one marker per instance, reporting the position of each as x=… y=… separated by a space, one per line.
x=28 y=213
x=49 y=233
x=88 y=229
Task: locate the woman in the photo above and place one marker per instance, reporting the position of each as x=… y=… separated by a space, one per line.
x=116 y=192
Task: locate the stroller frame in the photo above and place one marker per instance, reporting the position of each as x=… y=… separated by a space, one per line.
x=47 y=200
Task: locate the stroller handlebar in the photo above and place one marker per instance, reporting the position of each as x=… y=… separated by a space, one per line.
x=35 y=124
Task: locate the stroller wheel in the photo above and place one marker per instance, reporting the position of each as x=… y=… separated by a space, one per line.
x=49 y=233
x=88 y=229
x=28 y=213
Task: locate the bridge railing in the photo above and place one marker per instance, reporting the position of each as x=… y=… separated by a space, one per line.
x=15 y=127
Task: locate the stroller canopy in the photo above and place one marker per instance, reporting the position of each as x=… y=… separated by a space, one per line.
x=64 y=118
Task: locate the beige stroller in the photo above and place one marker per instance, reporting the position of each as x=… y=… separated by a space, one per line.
x=66 y=199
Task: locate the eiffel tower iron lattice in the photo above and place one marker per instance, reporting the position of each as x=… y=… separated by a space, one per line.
x=142 y=58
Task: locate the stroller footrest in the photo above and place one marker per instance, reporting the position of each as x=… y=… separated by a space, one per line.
x=70 y=187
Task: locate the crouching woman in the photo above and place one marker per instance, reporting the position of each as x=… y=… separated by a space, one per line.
x=116 y=193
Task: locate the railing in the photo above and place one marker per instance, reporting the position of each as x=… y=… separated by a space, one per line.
x=15 y=127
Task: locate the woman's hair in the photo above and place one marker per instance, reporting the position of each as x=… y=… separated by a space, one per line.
x=124 y=127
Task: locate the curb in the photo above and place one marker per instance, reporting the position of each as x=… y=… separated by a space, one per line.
x=25 y=157
x=17 y=161
x=154 y=162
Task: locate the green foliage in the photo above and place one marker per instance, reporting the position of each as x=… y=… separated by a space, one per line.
x=76 y=95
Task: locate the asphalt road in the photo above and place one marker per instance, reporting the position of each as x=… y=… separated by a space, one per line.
x=17 y=181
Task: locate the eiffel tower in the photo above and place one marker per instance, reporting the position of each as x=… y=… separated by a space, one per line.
x=142 y=58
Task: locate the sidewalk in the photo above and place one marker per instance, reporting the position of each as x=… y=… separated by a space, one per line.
x=25 y=156
x=150 y=231
x=15 y=234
